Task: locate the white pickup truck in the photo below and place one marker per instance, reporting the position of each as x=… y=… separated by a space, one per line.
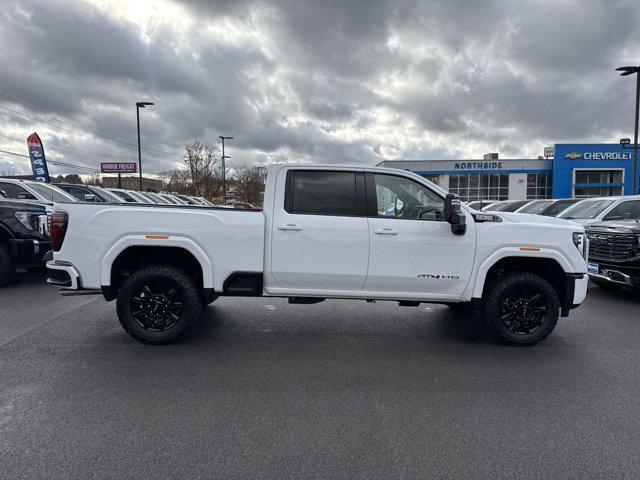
x=325 y=232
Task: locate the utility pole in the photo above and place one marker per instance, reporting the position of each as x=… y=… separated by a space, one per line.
x=139 y=105
x=224 y=170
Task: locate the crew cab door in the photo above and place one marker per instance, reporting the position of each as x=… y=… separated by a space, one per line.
x=319 y=234
x=413 y=252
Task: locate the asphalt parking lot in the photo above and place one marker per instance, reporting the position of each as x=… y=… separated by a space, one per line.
x=263 y=389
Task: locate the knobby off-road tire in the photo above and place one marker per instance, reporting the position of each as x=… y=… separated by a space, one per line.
x=158 y=304
x=520 y=309
x=7 y=267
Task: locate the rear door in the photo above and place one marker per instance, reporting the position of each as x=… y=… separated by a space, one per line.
x=319 y=235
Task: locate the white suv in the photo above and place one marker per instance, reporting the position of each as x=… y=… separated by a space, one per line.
x=30 y=190
x=598 y=209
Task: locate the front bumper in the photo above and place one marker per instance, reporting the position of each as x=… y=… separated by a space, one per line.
x=575 y=292
x=622 y=275
x=26 y=251
x=63 y=275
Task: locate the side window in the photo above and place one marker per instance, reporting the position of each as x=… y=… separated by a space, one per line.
x=14 y=191
x=624 y=211
x=323 y=193
x=399 y=197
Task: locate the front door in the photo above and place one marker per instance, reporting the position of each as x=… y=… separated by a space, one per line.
x=319 y=234
x=413 y=253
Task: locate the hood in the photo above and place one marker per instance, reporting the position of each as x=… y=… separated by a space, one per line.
x=535 y=219
x=617 y=226
x=22 y=205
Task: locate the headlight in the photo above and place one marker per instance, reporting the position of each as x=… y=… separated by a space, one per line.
x=33 y=221
x=580 y=242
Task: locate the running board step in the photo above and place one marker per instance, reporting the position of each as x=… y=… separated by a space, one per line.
x=408 y=303
x=305 y=300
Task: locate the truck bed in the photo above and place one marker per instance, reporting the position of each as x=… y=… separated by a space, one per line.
x=232 y=239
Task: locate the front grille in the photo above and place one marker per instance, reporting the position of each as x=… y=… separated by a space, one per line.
x=611 y=246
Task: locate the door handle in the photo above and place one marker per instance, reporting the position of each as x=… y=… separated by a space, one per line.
x=290 y=226
x=385 y=231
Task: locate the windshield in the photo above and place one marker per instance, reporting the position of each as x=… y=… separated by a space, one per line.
x=52 y=193
x=534 y=207
x=586 y=209
x=495 y=207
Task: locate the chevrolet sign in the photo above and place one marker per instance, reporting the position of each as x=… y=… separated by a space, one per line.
x=573 y=156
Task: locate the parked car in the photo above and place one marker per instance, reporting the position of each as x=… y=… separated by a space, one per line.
x=124 y=195
x=558 y=206
x=479 y=204
x=505 y=206
x=242 y=205
x=593 y=210
x=614 y=253
x=321 y=235
x=24 y=236
x=534 y=207
x=37 y=191
x=88 y=193
x=138 y=196
x=186 y=199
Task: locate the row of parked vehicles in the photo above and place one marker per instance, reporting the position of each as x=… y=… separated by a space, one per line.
x=612 y=225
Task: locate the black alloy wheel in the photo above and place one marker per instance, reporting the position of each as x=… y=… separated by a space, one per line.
x=156 y=307
x=524 y=310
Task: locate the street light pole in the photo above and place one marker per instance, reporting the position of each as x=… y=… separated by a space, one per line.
x=140 y=105
x=629 y=70
x=224 y=170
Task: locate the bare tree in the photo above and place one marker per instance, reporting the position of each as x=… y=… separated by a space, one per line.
x=204 y=169
x=95 y=179
x=250 y=184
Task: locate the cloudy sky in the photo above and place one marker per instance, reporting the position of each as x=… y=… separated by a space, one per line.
x=320 y=81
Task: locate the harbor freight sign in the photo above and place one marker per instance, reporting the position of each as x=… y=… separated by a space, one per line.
x=126 y=167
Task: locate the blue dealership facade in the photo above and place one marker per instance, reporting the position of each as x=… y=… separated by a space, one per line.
x=575 y=171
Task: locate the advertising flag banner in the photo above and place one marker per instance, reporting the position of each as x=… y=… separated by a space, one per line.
x=38 y=162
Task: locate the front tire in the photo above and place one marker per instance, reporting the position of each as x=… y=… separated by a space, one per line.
x=158 y=304
x=520 y=309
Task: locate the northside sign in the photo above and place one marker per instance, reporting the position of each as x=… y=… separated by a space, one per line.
x=478 y=165
x=118 y=167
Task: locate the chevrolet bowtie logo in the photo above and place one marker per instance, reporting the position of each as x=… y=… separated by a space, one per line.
x=573 y=156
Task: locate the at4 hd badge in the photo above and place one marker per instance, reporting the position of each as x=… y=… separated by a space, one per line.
x=439 y=276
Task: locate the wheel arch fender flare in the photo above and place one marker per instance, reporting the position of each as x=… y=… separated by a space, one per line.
x=185 y=243
x=505 y=252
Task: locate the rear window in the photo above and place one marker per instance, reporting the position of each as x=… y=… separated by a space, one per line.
x=322 y=193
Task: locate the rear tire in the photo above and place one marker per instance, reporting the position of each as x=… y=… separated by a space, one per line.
x=158 y=304
x=7 y=267
x=520 y=309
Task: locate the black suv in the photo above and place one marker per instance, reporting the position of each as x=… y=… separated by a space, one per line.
x=24 y=236
x=614 y=253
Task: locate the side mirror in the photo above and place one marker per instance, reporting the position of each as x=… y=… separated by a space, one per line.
x=89 y=197
x=454 y=215
x=3 y=194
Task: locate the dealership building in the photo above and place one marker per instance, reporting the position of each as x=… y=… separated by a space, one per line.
x=573 y=170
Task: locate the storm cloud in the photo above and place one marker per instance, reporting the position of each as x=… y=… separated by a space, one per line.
x=332 y=81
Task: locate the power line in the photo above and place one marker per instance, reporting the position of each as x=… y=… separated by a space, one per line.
x=89 y=133
x=53 y=162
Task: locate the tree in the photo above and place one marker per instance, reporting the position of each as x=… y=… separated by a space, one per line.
x=95 y=179
x=204 y=169
x=250 y=184
x=73 y=178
